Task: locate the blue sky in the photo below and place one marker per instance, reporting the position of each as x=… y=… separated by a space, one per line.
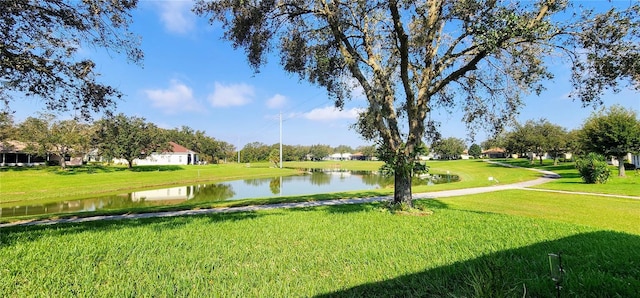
x=191 y=77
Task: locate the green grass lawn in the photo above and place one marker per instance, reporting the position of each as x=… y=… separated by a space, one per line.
x=485 y=245
x=571 y=180
x=490 y=245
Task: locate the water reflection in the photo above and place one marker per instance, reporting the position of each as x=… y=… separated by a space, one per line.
x=274 y=185
x=312 y=182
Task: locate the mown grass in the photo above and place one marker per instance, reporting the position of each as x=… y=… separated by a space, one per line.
x=571 y=180
x=467 y=248
x=615 y=214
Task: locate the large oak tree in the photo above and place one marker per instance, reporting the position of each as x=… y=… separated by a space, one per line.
x=411 y=57
x=128 y=138
x=612 y=132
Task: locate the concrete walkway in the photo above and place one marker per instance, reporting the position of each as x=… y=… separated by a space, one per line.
x=547 y=176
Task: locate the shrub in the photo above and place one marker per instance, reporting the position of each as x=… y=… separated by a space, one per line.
x=629 y=166
x=593 y=168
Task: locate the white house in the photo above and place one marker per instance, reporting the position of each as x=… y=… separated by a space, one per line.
x=339 y=156
x=177 y=155
x=635 y=159
x=631 y=158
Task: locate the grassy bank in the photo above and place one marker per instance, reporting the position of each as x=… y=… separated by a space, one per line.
x=483 y=245
x=571 y=180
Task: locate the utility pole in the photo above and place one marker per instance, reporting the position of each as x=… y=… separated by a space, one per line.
x=281 y=139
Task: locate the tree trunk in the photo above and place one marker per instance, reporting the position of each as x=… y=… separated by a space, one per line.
x=63 y=162
x=621 y=172
x=402 y=186
x=130 y=163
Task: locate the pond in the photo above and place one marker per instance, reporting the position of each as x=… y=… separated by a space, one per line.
x=311 y=182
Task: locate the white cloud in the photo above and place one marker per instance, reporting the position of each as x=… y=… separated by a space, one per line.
x=332 y=113
x=177 y=16
x=231 y=95
x=277 y=101
x=178 y=97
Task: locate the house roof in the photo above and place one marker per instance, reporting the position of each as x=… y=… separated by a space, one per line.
x=494 y=150
x=177 y=148
x=12 y=146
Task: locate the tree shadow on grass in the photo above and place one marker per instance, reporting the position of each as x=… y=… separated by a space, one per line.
x=155 y=168
x=598 y=264
x=14 y=169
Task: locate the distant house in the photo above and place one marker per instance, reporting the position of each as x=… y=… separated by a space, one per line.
x=14 y=154
x=177 y=155
x=358 y=156
x=631 y=158
x=339 y=156
x=495 y=153
x=635 y=159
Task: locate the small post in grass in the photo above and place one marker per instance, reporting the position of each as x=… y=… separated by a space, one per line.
x=557 y=272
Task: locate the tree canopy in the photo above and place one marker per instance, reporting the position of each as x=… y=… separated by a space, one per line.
x=475 y=150
x=539 y=137
x=411 y=57
x=40 y=44
x=449 y=148
x=612 y=132
x=128 y=138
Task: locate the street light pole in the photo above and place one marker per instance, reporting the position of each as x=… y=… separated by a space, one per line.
x=281 y=139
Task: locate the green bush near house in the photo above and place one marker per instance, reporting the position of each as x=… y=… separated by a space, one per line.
x=593 y=168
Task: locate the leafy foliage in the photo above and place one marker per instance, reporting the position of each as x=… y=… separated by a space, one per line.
x=612 y=132
x=410 y=57
x=208 y=148
x=40 y=44
x=475 y=150
x=539 y=137
x=128 y=138
x=274 y=157
x=255 y=151
x=593 y=168
x=45 y=134
x=319 y=151
x=449 y=148
x=611 y=42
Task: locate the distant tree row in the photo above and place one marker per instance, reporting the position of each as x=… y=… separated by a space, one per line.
x=257 y=151
x=130 y=137
x=612 y=132
x=120 y=136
